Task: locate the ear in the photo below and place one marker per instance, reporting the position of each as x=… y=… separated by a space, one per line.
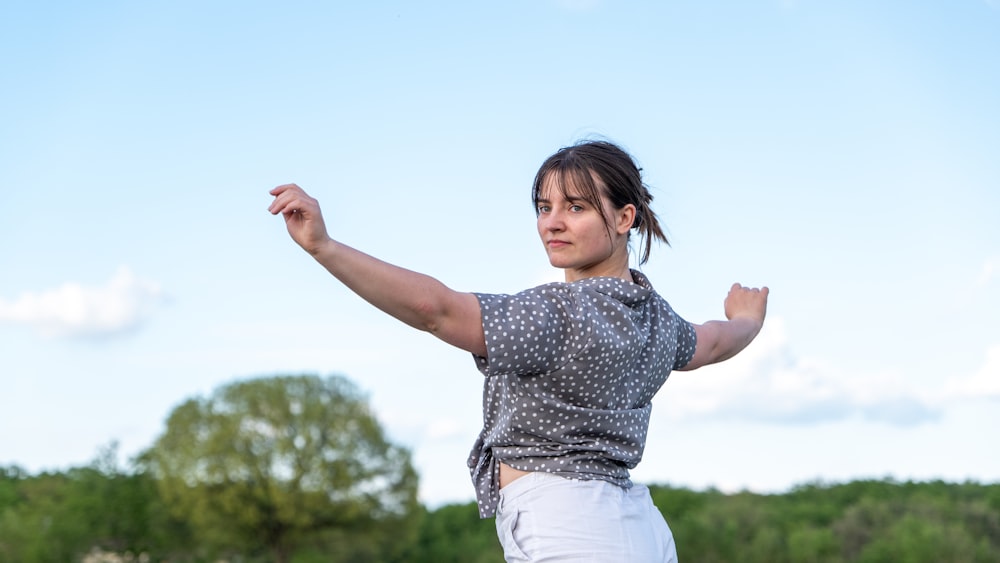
x=624 y=218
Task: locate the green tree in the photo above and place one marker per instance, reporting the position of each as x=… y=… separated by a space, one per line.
x=455 y=533
x=60 y=516
x=274 y=467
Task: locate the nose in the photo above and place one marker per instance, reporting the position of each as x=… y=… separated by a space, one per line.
x=552 y=221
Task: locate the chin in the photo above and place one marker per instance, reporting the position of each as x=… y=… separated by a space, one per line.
x=561 y=264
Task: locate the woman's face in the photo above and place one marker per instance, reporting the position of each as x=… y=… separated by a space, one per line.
x=580 y=238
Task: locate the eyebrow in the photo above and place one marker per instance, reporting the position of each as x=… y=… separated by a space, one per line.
x=571 y=199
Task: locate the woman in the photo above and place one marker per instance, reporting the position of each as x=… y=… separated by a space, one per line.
x=570 y=367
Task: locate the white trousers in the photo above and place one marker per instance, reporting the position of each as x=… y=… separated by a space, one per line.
x=546 y=518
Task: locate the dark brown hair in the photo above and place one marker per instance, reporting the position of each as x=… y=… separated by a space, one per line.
x=619 y=178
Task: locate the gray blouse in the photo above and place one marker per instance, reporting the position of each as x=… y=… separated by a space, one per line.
x=570 y=371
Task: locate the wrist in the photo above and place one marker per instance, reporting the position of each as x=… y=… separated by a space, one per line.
x=749 y=321
x=322 y=249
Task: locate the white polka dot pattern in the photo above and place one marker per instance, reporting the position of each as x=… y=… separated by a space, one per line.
x=570 y=371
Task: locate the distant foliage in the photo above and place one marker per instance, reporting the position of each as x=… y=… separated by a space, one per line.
x=455 y=534
x=61 y=516
x=91 y=514
x=281 y=465
x=858 y=522
x=861 y=521
x=296 y=469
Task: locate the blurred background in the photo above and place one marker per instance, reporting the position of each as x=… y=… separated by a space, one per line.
x=844 y=154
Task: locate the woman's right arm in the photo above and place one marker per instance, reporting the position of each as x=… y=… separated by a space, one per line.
x=717 y=341
x=416 y=299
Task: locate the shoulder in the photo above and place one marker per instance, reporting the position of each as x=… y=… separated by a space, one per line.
x=551 y=307
x=540 y=296
x=534 y=331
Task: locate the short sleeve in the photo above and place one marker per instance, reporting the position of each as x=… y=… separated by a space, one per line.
x=533 y=332
x=687 y=341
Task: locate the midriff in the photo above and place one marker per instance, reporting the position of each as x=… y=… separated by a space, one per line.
x=508 y=474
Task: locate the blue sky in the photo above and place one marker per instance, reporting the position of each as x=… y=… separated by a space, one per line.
x=843 y=153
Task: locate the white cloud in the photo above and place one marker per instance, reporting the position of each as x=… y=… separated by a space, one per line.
x=768 y=383
x=991 y=267
x=983 y=384
x=73 y=310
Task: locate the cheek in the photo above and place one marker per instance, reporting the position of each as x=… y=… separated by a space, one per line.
x=597 y=231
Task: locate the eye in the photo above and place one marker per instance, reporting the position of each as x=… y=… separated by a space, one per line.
x=575 y=208
x=543 y=209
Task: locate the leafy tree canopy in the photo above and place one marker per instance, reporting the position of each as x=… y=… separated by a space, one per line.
x=283 y=463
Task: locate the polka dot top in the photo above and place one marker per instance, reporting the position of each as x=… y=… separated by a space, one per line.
x=570 y=371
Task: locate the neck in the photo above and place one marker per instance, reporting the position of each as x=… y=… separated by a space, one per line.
x=619 y=269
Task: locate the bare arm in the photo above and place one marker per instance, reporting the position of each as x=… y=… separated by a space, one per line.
x=720 y=340
x=416 y=299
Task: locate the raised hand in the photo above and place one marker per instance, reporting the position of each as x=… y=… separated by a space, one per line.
x=303 y=217
x=746 y=302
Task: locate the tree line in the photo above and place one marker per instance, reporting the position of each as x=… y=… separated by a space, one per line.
x=296 y=469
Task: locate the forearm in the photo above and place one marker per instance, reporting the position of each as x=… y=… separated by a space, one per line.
x=717 y=341
x=416 y=299
x=731 y=337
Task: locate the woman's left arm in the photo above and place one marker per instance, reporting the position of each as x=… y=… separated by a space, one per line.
x=717 y=341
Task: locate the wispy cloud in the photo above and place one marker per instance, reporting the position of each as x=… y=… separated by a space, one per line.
x=117 y=307
x=989 y=272
x=768 y=383
x=984 y=383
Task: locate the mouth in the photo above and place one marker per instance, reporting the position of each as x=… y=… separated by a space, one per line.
x=555 y=243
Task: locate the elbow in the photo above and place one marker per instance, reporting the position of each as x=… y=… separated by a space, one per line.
x=427 y=316
x=701 y=359
x=710 y=346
